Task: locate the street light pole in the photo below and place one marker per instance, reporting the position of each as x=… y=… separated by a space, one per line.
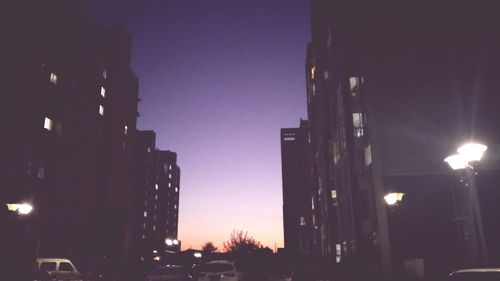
x=462 y=161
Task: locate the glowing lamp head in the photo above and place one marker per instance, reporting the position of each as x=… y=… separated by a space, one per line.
x=169 y=242
x=197 y=255
x=175 y=242
x=472 y=151
x=22 y=209
x=393 y=198
x=456 y=162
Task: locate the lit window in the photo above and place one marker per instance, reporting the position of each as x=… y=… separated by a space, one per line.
x=53 y=78
x=357 y=121
x=156 y=197
x=302 y=221
x=48 y=123
x=313 y=70
x=156 y=186
x=170 y=176
x=175 y=206
x=144 y=225
x=334 y=194
x=155 y=207
x=169 y=185
x=145 y=214
x=336 y=152
x=103 y=92
x=353 y=83
x=368 y=155
x=101 y=110
x=41 y=172
x=104 y=74
x=170 y=167
x=154 y=227
x=314 y=89
x=149 y=149
x=176 y=189
x=125 y=129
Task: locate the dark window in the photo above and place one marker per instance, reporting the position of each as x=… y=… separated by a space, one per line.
x=48 y=266
x=65 y=266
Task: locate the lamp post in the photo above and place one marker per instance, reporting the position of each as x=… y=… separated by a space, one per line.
x=464 y=160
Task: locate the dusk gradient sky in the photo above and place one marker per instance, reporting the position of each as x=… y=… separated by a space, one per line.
x=218 y=79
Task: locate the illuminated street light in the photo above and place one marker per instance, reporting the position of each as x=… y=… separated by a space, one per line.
x=22 y=209
x=393 y=198
x=467 y=153
x=169 y=242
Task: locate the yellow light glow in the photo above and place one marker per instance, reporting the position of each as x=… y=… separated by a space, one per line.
x=393 y=198
x=22 y=209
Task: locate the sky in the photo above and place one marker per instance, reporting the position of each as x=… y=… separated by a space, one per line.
x=218 y=79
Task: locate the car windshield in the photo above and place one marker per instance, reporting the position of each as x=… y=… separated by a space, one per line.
x=216 y=267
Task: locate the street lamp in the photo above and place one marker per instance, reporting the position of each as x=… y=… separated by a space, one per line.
x=22 y=209
x=393 y=198
x=466 y=155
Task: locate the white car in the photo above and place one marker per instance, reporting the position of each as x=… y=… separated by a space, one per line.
x=169 y=273
x=220 y=270
x=58 y=269
x=475 y=274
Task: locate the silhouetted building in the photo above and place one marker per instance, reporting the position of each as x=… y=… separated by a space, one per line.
x=392 y=89
x=297 y=195
x=158 y=185
x=72 y=101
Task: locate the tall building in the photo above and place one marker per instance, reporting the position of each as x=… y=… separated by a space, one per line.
x=297 y=192
x=72 y=101
x=158 y=187
x=392 y=89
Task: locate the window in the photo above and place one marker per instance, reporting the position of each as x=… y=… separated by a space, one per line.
x=101 y=110
x=104 y=74
x=357 y=121
x=313 y=70
x=169 y=185
x=176 y=189
x=53 y=78
x=336 y=152
x=302 y=221
x=125 y=129
x=154 y=227
x=103 y=92
x=368 y=155
x=326 y=75
x=48 y=124
x=156 y=197
x=334 y=194
x=175 y=206
x=48 y=266
x=170 y=167
x=170 y=176
x=145 y=214
x=41 y=172
x=144 y=225
x=149 y=149
x=65 y=266
x=156 y=186
x=353 y=83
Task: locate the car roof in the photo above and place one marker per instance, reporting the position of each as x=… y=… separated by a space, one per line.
x=53 y=260
x=468 y=270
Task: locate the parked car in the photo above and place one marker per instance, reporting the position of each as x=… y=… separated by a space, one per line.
x=220 y=270
x=169 y=273
x=475 y=274
x=57 y=269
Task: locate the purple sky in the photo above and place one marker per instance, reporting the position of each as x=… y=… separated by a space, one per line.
x=218 y=79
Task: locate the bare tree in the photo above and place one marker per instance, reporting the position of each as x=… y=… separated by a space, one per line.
x=240 y=243
x=209 y=247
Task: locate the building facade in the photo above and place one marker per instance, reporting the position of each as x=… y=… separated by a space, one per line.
x=388 y=98
x=297 y=194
